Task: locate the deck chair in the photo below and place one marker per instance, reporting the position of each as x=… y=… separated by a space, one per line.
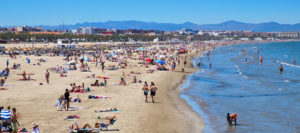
x=83 y=130
x=2 y=73
x=6 y=126
x=103 y=125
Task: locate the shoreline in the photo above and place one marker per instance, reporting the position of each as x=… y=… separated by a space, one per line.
x=186 y=98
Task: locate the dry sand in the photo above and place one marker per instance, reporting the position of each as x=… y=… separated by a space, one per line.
x=35 y=103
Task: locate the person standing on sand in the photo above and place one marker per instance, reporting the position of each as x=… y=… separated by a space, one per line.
x=145 y=89
x=102 y=66
x=67 y=99
x=47 y=75
x=14 y=120
x=7 y=63
x=153 y=90
x=173 y=65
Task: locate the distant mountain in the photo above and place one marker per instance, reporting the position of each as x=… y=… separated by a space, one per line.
x=229 y=25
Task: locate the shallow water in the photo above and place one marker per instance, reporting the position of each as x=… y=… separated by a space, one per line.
x=265 y=100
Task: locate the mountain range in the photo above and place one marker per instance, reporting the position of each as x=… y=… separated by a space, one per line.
x=229 y=25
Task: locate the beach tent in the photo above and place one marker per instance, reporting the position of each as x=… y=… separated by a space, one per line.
x=5 y=114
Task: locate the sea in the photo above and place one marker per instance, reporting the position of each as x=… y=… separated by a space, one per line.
x=265 y=100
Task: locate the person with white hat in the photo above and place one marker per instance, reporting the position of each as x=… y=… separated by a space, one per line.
x=35 y=128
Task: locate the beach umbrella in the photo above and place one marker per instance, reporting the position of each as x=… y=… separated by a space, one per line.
x=162 y=56
x=71 y=62
x=160 y=62
x=149 y=60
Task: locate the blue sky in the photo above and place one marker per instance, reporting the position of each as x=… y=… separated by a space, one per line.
x=53 y=12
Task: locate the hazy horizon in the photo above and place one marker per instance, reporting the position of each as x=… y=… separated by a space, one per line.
x=142 y=21
x=57 y=12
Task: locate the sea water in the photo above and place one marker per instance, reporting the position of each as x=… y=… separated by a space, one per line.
x=266 y=100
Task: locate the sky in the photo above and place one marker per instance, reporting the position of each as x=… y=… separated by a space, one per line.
x=56 y=12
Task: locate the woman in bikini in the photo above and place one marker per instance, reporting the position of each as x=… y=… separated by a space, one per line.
x=145 y=89
x=152 y=91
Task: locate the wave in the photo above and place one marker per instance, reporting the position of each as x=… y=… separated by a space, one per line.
x=254 y=95
x=240 y=71
x=288 y=64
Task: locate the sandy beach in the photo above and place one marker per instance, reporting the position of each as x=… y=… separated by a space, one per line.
x=36 y=103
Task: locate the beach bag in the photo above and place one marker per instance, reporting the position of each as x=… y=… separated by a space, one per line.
x=101 y=84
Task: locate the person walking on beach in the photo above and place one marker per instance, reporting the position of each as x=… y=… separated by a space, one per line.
x=47 y=75
x=67 y=99
x=102 y=66
x=145 y=89
x=153 y=90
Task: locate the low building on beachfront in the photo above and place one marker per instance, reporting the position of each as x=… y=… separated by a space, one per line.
x=63 y=41
x=2 y=30
x=288 y=34
x=244 y=39
x=258 y=39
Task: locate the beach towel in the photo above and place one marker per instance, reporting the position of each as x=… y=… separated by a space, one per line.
x=102 y=111
x=26 y=79
x=81 y=91
x=5 y=114
x=72 y=117
x=99 y=97
x=9 y=85
x=101 y=77
x=75 y=108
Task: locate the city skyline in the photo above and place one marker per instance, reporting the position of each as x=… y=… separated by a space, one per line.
x=55 y=12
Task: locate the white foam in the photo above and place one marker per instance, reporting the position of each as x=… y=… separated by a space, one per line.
x=280 y=89
x=288 y=64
